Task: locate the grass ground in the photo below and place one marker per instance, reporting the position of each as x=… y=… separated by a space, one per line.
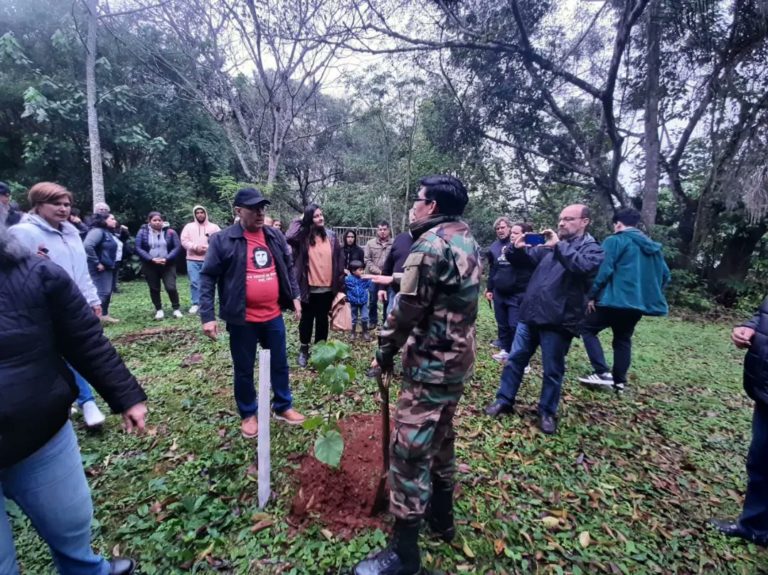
x=625 y=486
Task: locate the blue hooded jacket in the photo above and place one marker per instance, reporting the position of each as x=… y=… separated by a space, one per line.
x=633 y=274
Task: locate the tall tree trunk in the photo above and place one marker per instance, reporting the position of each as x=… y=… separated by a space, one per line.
x=238 y=152
x=94 y=140
x=652 y=145
x=737 y=255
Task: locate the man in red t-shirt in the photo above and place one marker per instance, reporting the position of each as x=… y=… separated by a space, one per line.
x=252 y=267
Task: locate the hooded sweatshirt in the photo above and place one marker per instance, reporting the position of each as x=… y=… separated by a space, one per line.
x=65 y=248
x=194 y=236
x=633 y=274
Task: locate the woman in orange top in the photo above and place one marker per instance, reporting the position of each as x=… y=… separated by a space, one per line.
x=319 y=268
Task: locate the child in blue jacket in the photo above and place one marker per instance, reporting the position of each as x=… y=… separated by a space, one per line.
x=357 y=295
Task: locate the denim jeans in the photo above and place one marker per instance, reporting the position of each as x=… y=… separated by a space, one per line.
x=754 y=515
x=84 y=390
x=50 y=488
x=622 y=322
x=554 y=347
x=507 y=312
x=193 y=273
x=391 y=301
x=243 y=340
x=103 y=281
x=373 y=305
x=358 y=315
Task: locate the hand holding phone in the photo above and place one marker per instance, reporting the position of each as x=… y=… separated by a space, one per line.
x=534 y=239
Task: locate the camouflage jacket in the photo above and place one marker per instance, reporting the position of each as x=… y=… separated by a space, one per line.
x=436 y=311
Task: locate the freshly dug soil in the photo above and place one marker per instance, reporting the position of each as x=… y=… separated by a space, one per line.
x=343 y=499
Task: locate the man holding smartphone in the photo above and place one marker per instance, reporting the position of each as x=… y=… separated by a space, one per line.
x=552 y=309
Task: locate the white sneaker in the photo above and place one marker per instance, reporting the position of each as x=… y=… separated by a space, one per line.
x=92 y=414
x=177 y=314
x=194 y=309
x=160 y=314
x=527 y=369
x=501 y=356
x=600 y=380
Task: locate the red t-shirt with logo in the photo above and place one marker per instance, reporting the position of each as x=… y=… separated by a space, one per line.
x=262 y=289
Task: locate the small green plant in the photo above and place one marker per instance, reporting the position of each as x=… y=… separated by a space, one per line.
x=328 y=359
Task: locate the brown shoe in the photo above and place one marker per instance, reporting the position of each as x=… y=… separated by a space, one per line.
x=291 y=416
x=249 y=427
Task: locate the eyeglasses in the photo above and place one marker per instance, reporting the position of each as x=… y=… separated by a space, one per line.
x=571 y=219
x=425 y=200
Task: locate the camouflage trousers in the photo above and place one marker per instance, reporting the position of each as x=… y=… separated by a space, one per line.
x=422 y=448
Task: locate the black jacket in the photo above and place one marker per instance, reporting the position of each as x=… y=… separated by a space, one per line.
x=45 y=320
x=756 y=360
x=506 y=278
x=225 y=266
x=557 y=293
x=352 y=253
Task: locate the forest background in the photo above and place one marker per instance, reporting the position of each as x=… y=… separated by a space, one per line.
x=162 y=104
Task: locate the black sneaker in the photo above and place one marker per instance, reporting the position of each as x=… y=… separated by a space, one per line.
x=732 y=528
x=499 y=408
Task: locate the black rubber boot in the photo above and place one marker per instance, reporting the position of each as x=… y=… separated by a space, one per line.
x=440 y=511
x=366 y=333
x=401 y=557
x=303 y=359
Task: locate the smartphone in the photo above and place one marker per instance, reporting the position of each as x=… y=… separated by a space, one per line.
x=534 y=239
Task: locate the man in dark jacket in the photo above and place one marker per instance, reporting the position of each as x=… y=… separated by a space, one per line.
x=629 y=285
x=552 y=310
x=253 y=270
x=46 y=323
x=752 y=524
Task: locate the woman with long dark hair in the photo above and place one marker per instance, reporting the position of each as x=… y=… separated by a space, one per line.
x=352 y=252
x=101 y=248
x=319 y=268
x=158 y=248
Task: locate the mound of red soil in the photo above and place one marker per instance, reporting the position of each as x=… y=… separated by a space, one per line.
x=343 y=499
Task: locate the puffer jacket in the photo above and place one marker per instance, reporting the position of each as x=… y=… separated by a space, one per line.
x=756 y=360
x=173 y=245
x=44 y=323
x=65 y=248
x=101 y=248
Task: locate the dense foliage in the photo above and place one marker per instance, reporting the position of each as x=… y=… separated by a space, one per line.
x=656 y=103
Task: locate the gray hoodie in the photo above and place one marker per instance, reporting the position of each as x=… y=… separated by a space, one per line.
x=65 y=248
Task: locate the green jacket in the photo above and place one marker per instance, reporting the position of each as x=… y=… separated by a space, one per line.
x=435 y=312
x=633 y=274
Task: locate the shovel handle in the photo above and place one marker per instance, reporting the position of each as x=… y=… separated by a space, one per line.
x=383 y=380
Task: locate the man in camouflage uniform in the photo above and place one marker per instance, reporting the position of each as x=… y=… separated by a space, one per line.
x=434 y=318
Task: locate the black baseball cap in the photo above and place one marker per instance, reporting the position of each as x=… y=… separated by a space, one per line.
x=4 y=189
x=250 y=198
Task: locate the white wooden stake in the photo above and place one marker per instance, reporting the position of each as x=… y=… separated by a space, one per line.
x=265 y=407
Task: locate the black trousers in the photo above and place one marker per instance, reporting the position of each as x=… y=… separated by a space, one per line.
x=154 y=273
x=314 y=313
x=622 y=323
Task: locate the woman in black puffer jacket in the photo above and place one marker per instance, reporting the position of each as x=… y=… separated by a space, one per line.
x=45 y=322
